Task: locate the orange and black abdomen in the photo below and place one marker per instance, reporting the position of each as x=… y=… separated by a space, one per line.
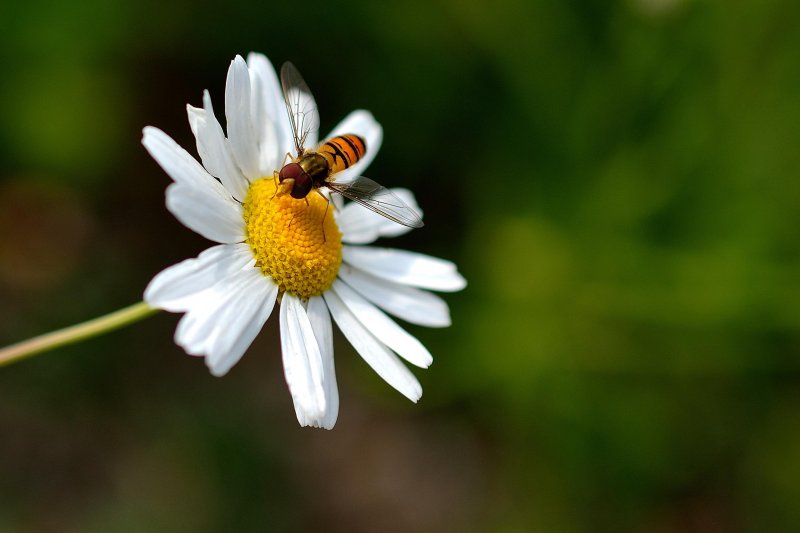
x=343 y=151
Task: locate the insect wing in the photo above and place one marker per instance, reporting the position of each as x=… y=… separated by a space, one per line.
x=301 y=107
x=379 y=199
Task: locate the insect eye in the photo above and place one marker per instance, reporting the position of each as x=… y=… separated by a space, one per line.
x=290 y=172
x=302 y=186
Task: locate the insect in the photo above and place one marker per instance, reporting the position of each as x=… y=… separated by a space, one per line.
x=312 y=169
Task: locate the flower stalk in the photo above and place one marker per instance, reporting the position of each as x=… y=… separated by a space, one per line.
x=76 y=333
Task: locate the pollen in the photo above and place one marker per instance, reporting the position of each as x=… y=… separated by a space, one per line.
x=295 y=242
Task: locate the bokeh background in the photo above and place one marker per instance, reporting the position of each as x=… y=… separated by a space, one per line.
x=617 y=180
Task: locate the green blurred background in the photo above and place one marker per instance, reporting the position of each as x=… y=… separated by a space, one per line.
x=617 y=181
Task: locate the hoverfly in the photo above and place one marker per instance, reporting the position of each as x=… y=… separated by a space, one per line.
x=311 y=169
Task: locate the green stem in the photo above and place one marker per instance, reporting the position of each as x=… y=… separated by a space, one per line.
x=78 y=332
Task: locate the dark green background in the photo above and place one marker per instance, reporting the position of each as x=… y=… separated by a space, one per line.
x=617 y=181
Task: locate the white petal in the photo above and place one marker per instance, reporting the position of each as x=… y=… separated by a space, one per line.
x=206 y=212
x=197 y=330
x=199 y=324
x=412 y=305
x=382 y=327
x=178 y=163
x=174 y=288
x=241 y=132
x=362 y=226
x=241 y=322
x=215 y=150
x=320 y=320
x=195 y=191
x=302 y=363
x=224 y=319
x=379 y=357
x=363 y=124
x=269 y=114
x=408 y=268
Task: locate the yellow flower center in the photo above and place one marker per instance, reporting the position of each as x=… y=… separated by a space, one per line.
x=296 y=243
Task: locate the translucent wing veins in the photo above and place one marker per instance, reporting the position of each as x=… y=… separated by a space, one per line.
x=300 y=105
x=379 y=199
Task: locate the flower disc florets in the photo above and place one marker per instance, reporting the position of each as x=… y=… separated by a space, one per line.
x=295 y=242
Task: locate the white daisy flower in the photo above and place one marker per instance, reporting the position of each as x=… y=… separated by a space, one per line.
x=274 y=249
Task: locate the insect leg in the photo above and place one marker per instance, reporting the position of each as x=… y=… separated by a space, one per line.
x=325 y=214
x=327 y=199
x=277 y=183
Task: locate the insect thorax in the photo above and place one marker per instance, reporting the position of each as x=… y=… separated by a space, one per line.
x=316 y=166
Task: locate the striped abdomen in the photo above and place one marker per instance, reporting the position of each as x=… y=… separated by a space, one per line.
x=343 y=151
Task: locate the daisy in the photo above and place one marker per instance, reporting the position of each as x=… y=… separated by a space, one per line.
x=309 y=261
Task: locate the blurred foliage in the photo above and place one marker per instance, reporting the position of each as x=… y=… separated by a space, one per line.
x=615 y=179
